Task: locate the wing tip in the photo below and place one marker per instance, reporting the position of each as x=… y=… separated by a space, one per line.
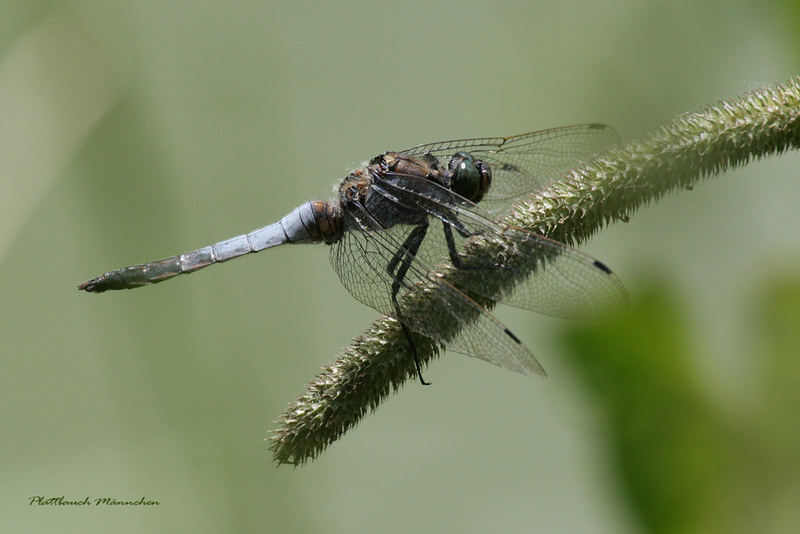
x=531 y=367
x=534 y=368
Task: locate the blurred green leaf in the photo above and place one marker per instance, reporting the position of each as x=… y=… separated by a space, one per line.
x=688 y=461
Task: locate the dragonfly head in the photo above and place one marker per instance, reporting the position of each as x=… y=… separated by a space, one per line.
x=469 y=177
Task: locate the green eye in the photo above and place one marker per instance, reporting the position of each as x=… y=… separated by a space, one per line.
x=466 y=178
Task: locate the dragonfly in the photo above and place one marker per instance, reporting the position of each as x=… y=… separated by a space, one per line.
x=402 y=218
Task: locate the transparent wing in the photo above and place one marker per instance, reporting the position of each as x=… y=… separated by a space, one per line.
x=525 y=163
x=429 y=305
x=549 y=277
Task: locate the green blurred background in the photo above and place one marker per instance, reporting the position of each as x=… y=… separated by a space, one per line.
x=131 y=131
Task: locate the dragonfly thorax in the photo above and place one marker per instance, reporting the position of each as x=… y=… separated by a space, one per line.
x=394 y=164
x=464 y=175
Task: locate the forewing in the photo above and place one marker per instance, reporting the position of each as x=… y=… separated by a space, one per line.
x=525 y=163
x=429 y=305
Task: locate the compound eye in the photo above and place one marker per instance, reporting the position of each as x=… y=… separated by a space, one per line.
x=486 y=179
x=465 y=176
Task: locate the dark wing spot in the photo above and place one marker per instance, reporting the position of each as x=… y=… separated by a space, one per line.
x=597 y=126
x=512 y=336
x=602 y=266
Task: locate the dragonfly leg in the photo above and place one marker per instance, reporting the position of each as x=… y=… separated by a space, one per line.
x=404 y=256
x=455 y=259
